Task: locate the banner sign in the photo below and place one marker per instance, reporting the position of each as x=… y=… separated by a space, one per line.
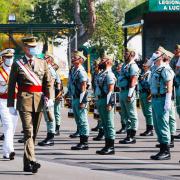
x=164 y=5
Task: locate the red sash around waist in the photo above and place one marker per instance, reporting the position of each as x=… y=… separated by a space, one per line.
x=5 y=96
x=30 y=88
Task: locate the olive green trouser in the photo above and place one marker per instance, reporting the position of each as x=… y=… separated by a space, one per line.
x=107 y=119
x=172 y=119
x=178 y=100
x=161 y=120
x=81 y=118
x=129 y=110
x=57 y=112
x=49 y=123
x=146 y=108
x=123 y=120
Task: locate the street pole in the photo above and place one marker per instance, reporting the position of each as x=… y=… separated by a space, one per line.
x=89 y=66
x=76 y=39
x=69 y=51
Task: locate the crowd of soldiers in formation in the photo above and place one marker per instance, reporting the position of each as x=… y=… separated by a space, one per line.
x=156 y=84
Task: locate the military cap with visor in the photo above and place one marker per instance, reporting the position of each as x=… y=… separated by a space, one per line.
x=29 y=40
x=7 y=53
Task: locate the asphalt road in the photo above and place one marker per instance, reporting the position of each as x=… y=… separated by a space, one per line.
x=131 y=162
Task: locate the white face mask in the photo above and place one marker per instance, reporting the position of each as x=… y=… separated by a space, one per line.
x=155 y=56
x=33 y=51
x=8 y=61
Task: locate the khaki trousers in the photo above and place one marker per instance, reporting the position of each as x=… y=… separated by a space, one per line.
x=30 y=123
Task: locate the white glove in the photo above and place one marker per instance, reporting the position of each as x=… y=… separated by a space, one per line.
x=167 y=105
x=12 y=110
x=50 y=103
x=131 y=91
x=109 y=96
x=82 y=96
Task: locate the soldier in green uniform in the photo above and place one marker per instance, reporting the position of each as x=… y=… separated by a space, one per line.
x=174 y=66
x=33 y=79
x=127 y=82
x=68 y=98
x=94 y=85
x=173 y=63
x=161 y=85
x=78 y=90
x=49 y=114
x=104 y=91
x=145 y=99
x=123 y=120
x=172 y=112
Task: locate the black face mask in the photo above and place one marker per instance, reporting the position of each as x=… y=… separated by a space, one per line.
x=102 y=66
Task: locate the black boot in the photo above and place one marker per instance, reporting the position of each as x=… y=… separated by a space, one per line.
x=164 y=153
x=22 y=140
x=49 y=141
x=2 y=137
x=99 y=136
x=75 y=135
x=57 y=132
x=122 y=130
x=130 y=138
x=148 y=132
x=171 y=145
x=108 y=149
x=177 y=136
x=35 y=166
x=83 y=145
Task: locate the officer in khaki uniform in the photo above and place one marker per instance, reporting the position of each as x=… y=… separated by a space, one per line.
x=33 y=80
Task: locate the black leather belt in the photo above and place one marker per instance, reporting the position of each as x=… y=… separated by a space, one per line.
x=158 y=95
x=101 y=97
x=124 y=88
x=76 y=97
x=143 y=91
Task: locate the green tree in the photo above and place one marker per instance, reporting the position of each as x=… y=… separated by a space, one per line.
x=108 y=33
x=64 y=11
x=18 y=7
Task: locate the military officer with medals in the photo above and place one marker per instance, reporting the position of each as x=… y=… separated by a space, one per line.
x=33 y=79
